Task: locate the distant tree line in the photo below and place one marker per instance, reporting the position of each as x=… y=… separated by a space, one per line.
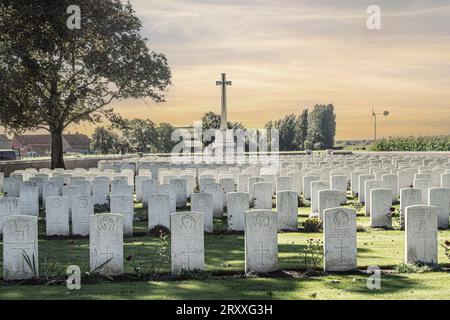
x=135 y=135
x=314 y=129
x=419 y=143
x=308 y=130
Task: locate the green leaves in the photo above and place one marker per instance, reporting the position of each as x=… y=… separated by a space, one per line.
x=52 y=77
x=31 y=263
x=420 y=143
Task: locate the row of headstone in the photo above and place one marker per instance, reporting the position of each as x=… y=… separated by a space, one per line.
x=20 y=245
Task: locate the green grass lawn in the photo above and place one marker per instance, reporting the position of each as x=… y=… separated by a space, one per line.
x=224 y=255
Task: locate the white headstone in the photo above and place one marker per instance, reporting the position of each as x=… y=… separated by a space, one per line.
x=149 y=187
x=243 y=182
x=424 y=185
x=158 y=210
x=381 y=203
x=284 y=184
x=100 y=191
x=339 y=229
x=123 y=204
x=409 y=197
x=307 y=180
x=120 y=187
x=190 y=183
x=203 y=203
x=106 y=244
x=82 y=209
x=187 y=241
x=216 y=190
x=328 y=199
x=261 y=241
x=263 y=195
x=421 y=233
x=29 y=201
x=317 y=186
x=251 y=185
x=287 y=209
x=440 y=198
x=57 y=216
x=50 y=189
x=8 y=207
x=20 y=243
x=238 y=204
x=445 y=180
x=169 y=189
x=181 y=191
x=339 y=182
x=362 y=186
x=369 y=185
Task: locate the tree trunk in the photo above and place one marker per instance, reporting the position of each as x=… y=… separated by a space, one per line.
x=57 y=148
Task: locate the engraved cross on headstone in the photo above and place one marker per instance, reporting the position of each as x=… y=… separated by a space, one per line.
x=103 y=256
x=262 y=250
x=188 y=254
x=342 y=248
x=20 y=247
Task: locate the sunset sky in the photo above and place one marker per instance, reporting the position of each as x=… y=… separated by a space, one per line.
x=286 y=55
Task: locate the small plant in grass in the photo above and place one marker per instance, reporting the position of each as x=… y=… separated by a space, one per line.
x=313 y=255
x=159 y=257
x=158 y=230
x=412 y=268
x=300 y=202
x=361 y=228
x=394 y=215
x=31 y=263
x=446 y=246
x=95 y=274
x=52 y=273
x=355 y=204
x=194 y=275
x=101 y=207
x=312 y=225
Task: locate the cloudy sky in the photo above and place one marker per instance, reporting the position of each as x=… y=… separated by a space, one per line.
x=286 y=55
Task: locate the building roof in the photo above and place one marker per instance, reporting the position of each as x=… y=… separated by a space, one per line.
x=32 y=139
x=76 y=141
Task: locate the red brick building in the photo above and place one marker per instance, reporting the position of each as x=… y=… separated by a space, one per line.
x=41 y=145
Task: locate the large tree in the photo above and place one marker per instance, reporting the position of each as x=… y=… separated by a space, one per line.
x=211 y=120
x=165 y=143
x=302 y=129
x=321 y=127
x=103 y=140
x=52 y=77
x=142 y=134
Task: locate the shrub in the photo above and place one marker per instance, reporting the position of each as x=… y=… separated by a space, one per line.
x=420 y=143
x=412 y=268
x=159 y=257
x=446 y=246
x=312 y=225
x=313 y=254
x=394 y=215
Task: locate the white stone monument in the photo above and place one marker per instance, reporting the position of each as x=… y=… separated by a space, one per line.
x=106 y=244
x=20 y=243
x=421 y=233
x=339 y=229
x=187 y=241
x=261 y=241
